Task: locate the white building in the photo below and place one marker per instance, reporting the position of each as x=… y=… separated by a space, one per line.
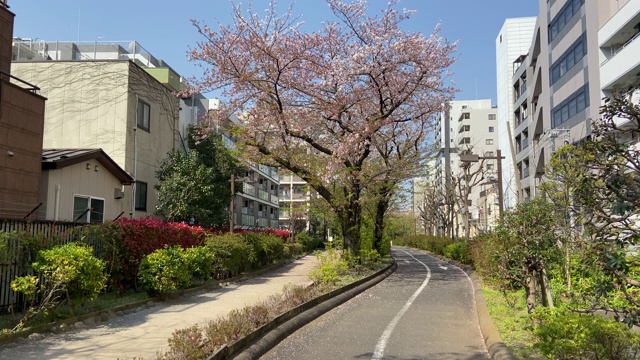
x=513 y=40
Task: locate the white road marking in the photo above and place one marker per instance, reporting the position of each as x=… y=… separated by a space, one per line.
x=382 y=342
x=443 y=267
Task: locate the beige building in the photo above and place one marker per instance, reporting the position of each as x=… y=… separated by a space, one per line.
x=81 y=185
x=294 y=196
x=110 y=104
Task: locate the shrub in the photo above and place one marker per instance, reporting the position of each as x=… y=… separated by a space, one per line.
x=184 y=344
x=230 y=253
x=457 y=251
x=165 y=270
x=330 y=267
x=74 y=266
x=435 y=244
x=141 y=237
x=200 y=262
x=308 y=241
x=294 y=249
x=69 y=270
x=563 y=334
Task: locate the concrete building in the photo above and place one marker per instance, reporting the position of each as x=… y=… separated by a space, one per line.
x=21 y=130
x=295 y=197
x=468 y=126
x=513 y=40
x=619 y=45
x=556 y=87
x=103 y=97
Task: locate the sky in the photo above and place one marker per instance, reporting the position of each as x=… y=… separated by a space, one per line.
x=164 y=28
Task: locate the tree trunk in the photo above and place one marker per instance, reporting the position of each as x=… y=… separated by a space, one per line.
x=378 y=230
x=350 y=222
x=530 y=290
x=547 y=299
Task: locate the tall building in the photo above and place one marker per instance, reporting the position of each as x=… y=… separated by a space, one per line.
x=22 y=112
x=619 y=45
x=513 y=40
x=556 y=86
x=467 y=126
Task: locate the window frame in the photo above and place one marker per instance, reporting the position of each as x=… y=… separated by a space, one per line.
x=89 y=215
x=138 y=194
x=140 y=123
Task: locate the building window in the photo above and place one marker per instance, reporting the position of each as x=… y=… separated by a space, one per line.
x=88 y=209
x=562 y=18
x=141 y=195
x=489 y=142
x=491 y=128
x=567 y=109
x=143 y=116
x=466 y=116
x=489 y=166
x=572 y=56
x=492 y=116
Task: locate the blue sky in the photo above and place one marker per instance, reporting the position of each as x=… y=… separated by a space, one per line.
x=164 y=27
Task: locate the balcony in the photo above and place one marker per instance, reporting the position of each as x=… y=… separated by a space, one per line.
x=274 y=224
x=622 y=66
x=263 y=222
x=274 y=199
x=248 y=220
x=262 y=194
x=248 y=189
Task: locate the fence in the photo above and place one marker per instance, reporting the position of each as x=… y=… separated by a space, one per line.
x=10 y=261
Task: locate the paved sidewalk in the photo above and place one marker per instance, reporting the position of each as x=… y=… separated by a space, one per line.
x=143 y=333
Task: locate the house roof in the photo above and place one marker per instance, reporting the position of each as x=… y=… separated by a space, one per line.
x=60 y=158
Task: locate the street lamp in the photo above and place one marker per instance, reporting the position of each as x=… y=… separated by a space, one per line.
x=470 y=158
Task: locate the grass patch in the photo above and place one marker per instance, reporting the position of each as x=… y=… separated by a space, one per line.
x=509 y=313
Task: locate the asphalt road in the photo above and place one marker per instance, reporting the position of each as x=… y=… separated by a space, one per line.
x=425 y=310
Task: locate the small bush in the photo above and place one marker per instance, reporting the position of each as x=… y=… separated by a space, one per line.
x=457 y=251
x=184 y=344
x=200 y=262
x=330 y=267
x=74 y=266
x=266 y=248
x=164 y=270
x=230 y=253
x=563 y=334
x=308 y=241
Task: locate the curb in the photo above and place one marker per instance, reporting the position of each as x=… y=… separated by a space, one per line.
x=269 y=335
x=498 y=350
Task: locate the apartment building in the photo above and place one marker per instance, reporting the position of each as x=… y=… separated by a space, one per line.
x=467 y=126
x=513 y=40
x=102 y=96
x=556 y=87
x=295 y=197
x=619 y=45
x=22 y=111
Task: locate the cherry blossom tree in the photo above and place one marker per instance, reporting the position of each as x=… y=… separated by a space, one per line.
x=316 y=102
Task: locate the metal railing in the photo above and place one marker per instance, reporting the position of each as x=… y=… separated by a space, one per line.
x=20 y=82
x=616 y=51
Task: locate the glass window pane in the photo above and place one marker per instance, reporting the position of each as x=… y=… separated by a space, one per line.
x=572 y=108
x=580 y=102
x=570 y=60
x=141 y=195
x=97 y=210
x=80 y=205
x=565 y=113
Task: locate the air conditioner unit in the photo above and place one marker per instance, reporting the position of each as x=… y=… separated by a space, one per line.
x=118 y=193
